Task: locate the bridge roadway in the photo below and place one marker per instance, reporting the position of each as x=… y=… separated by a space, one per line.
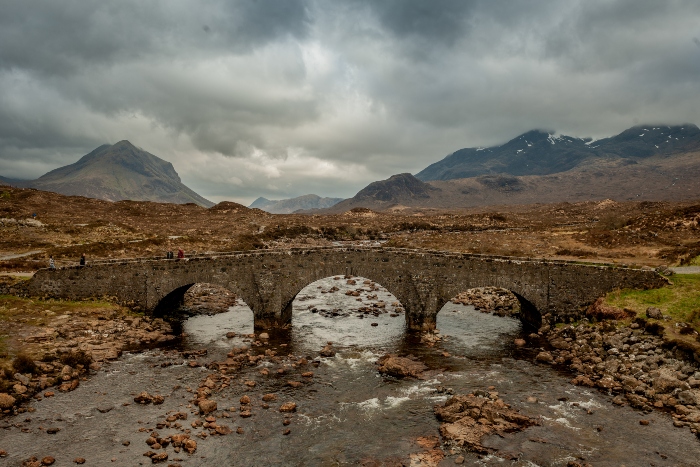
x=423 y=281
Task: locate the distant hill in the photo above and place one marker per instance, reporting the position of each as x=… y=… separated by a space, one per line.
x=10 y=181
x=541 y=153
x=118 y=172
x=300 y=203
x=401 y=189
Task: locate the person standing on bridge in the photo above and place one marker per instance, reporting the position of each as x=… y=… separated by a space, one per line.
x=82 y=259
x=52 y=265
x=180 y=253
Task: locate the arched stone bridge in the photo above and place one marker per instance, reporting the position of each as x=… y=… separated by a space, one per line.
x=423 y=281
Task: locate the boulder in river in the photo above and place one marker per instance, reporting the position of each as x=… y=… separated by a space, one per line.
x=467 y=419
x=327 y=351
x=207 y=406
x=288 y=407
x=400 y=367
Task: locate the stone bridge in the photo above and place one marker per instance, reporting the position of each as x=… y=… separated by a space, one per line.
x=423 y=281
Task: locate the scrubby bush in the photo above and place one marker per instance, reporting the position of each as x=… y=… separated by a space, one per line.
x=75 y=358
x=23 y=363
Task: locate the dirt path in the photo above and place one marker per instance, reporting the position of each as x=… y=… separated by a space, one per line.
x=686 y=270
x=20 y=255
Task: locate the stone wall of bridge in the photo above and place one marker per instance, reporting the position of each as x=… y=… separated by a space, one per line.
x=423 y=281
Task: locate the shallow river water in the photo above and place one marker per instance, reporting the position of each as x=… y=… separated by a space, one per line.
x=347 y=413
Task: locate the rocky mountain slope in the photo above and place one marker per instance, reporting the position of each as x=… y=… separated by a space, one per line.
x=541 y=153
x=288 y=206
x=119 y=172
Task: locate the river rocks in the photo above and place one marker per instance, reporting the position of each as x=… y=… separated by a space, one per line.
x=145 y=398
x=327 y=351
x=223 y=430
x=400 y=367
x=519 y=342
x=467 y=419
x=48 y=460
x=666 y=380
x=207 y=406
x=560 y=343
x=159 y=457
x=654 y=313
x=544 y=357
x=6 y=401
x=190 y=446
x=494 y=300
x=269 y=397
x=288 y=407
x=689 y=397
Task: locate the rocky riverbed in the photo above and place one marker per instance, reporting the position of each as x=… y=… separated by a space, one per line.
x=71 y=346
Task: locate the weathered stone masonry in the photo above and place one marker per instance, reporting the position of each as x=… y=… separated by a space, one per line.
x=423 y=281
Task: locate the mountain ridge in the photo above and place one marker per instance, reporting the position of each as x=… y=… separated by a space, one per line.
x=538 y=152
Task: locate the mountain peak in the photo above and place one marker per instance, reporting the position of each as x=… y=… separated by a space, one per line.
x=118 y=172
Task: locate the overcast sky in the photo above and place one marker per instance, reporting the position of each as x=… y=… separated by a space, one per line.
x=284 y=98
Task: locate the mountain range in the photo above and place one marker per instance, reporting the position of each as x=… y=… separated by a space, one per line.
x=648 y=162
x=117 y=172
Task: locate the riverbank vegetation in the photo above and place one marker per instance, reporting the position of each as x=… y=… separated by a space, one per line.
x=680 y=299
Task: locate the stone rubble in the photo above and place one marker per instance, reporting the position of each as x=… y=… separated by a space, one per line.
x=632 y=363
x=500 y=302
x=468 y=419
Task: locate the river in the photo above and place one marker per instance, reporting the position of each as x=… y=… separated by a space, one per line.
x=347 y=414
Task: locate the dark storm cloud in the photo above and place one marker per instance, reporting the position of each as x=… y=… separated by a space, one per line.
x=435 y=22
x=63 y=36
x=251 y=98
